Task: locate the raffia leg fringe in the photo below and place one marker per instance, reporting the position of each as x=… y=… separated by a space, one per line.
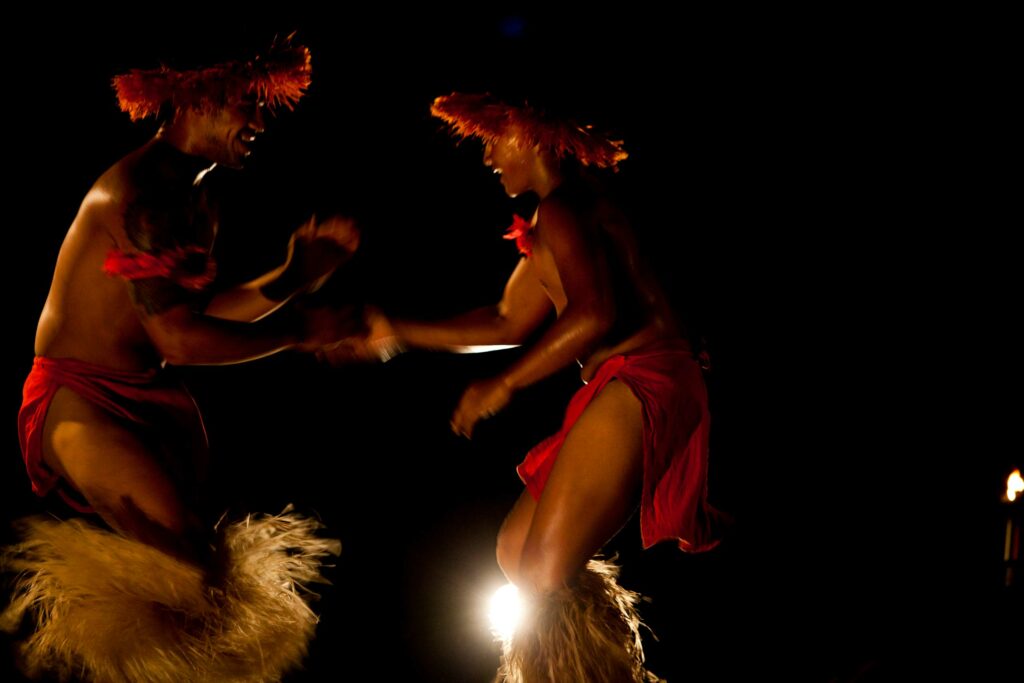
x=112 y=610
x=586 y=633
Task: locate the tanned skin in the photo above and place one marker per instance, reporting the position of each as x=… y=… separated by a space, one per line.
x=155 y=199
x=585 y=266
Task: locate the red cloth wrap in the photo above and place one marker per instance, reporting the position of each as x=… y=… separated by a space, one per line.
x=178 y=264
x=668 y=382
x=150 y=403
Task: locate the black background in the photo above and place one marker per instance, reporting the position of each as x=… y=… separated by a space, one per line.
x=821 y=191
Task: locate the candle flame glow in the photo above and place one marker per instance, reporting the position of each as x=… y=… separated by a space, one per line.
x=1014 y=485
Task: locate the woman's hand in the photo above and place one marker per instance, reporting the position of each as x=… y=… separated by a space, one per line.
x=480 y=401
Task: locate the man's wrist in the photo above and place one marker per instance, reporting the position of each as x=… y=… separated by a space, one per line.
x=389 y=347
x=283 y=287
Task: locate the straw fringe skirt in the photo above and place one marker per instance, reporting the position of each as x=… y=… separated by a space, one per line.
x=112 y=610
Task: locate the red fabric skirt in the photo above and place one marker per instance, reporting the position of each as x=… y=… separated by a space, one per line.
x=152 y=404
x=668 y=382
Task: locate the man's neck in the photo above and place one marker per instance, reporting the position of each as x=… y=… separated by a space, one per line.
x=179 y=157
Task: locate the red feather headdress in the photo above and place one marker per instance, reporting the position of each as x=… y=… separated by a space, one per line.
x=487 y=118
x=279 y=77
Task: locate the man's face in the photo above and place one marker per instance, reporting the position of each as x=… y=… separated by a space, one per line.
x=228 y=134
x=511 y=162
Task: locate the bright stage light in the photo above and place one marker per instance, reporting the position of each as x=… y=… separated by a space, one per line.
x=505 y=611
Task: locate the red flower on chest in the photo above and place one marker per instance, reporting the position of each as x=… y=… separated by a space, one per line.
x=522 y=232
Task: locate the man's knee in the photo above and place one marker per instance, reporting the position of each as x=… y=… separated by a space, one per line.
x=136 y=514
x=162 y=524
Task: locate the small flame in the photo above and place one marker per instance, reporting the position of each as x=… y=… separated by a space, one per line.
x=1014 y=485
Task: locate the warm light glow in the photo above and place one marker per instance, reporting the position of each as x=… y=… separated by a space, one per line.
x=1014 y=485
x=482 y=348
x=505 y=610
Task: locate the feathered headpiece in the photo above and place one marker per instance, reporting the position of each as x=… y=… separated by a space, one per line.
x=483 y=116
x=279 y=77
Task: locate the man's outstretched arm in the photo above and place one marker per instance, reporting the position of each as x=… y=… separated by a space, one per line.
x=315 y=250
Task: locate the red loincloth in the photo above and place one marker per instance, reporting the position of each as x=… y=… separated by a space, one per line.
x=151 y=403
x=668 y=382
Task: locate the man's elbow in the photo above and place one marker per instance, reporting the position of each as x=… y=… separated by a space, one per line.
x=171 y=338
x=176 y=351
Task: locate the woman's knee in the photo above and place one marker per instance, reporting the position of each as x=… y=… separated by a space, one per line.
x=508 y=548
x=513 y=534
x=545 y=570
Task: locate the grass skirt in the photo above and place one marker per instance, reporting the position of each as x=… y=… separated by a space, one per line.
x=585 y=633
x=110 y=609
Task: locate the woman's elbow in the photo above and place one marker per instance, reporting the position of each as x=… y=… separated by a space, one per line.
x=588 y=326
x=515 y=336
x=598 y=321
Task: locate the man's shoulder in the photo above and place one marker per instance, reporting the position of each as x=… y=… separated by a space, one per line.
x=149 y=182
x=124 y=179
x=138 y=169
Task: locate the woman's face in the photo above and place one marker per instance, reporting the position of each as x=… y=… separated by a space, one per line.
x=511 y=162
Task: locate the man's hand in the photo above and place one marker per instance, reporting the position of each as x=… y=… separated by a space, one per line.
x=317 y=248
x=480 y=401
x=324 y=326
x=379 y=342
